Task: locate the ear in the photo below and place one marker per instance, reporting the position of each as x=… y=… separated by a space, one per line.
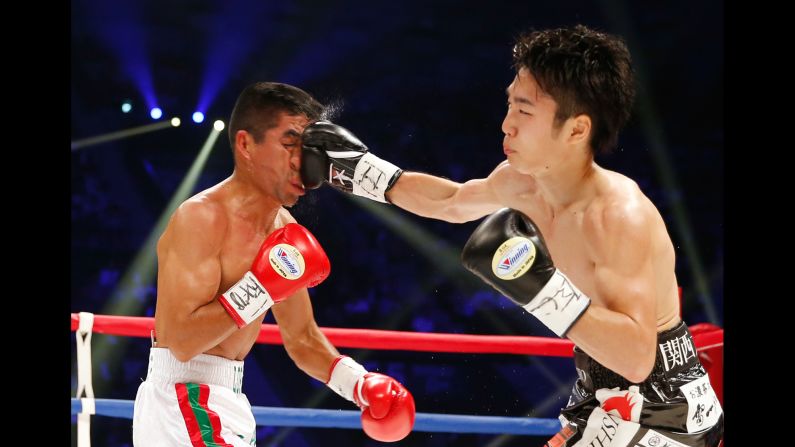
x=579 y=129
x=243 y=142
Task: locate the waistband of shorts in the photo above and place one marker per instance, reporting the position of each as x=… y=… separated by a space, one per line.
x=204 y=368
x=676 y=352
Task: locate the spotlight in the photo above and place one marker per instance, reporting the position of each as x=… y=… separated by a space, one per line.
x=218 y=125
x=198 y=117
x=175 y=122
x=156 y=113
x=126 y=106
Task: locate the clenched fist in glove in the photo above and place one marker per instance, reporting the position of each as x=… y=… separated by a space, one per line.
x=387 y=406
x=508 y=252
x=331 y=153
x=289 y=259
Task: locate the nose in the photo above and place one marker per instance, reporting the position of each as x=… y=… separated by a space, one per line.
x=507 y=126
x=295 y=158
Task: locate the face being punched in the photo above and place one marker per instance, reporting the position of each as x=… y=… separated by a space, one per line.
x=276 y=159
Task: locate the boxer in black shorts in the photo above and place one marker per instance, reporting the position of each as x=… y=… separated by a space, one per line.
x=613 y=289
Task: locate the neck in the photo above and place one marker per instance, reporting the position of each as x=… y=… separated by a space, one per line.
x=568 y=183
x=249 y=202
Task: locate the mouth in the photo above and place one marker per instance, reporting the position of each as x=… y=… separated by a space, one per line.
x=298 y=186
x=507 y=151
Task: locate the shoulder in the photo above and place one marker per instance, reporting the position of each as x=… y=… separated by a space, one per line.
x=619 y=215
x=200 y=212
x=199 y=223
x=505 y=172
x=508 y=183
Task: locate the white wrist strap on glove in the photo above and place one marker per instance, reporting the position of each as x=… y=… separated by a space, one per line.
x=344 y=377
x=372 y=176
x=246 y=300
x=559 y=304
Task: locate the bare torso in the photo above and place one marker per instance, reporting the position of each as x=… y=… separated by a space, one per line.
x=240 y=242
x=567 y=243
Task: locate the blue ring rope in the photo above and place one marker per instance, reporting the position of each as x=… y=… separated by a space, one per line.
x=309 y=417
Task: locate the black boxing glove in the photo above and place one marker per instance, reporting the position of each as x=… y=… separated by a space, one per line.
x=331 y=153
x=508 y=252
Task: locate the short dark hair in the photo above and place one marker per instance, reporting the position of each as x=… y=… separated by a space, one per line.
x=586 y=72
x=259 y=105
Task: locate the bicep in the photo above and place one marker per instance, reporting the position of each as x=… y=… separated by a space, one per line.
x=477 y=198
x=624 y=274
x=441 y=198
x=184 y=285
x=189 y=264
x=627 y=291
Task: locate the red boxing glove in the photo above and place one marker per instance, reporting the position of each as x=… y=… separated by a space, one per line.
x=288 y=260
x=387 y=407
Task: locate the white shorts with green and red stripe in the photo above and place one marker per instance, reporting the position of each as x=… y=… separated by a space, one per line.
x=198 y=403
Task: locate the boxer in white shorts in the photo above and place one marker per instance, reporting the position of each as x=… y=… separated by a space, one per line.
x=181 y=401
x=228 y=255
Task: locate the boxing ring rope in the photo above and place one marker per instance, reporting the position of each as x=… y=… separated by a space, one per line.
x=707 y=337
x=396 y=340
x=303 y=417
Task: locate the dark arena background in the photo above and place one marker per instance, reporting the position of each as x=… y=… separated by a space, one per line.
x=422 y=83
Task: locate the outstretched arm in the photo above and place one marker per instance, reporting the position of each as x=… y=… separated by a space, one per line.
x=332 y=154
x=444 y=199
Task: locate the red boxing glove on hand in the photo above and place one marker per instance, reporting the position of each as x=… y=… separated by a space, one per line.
x=387 y=406
x=289 y=259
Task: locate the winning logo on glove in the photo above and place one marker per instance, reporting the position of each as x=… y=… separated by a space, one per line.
x=513 y=258
x=287 y=261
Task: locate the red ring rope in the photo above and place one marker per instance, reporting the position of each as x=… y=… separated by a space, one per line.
x=704 y=335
